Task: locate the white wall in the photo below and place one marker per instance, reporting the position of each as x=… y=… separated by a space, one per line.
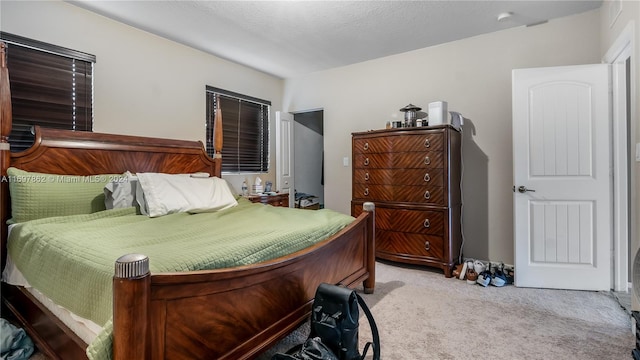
x=474 y=76
x=144 y=85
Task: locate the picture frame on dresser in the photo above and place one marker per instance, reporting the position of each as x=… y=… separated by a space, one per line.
x=413 y=176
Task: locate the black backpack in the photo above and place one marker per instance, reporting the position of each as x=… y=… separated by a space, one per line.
x=334 y=323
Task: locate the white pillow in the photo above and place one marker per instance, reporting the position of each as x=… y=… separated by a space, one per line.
x=161 y=194
x=121 y=192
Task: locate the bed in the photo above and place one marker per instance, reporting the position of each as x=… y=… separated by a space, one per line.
x=227 y=313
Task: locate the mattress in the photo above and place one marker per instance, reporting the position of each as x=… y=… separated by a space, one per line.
x=86 y=329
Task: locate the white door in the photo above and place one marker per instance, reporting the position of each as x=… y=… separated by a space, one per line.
x=563 y=188
x=284 y=154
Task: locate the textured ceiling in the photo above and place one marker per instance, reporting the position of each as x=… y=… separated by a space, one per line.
x=289 y=38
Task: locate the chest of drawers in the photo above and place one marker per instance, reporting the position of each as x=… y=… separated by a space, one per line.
x=413 y=177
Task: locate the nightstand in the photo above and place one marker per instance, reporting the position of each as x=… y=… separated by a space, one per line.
x=281 y=200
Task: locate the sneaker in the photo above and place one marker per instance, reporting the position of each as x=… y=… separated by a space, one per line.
x=499 y=278
x=479 y=266
x=457 y=270
x=472 y=276
x=509 y=276
x=484 y=278
x=463 y=272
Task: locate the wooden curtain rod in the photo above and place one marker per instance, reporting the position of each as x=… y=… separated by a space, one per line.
x=217 y=130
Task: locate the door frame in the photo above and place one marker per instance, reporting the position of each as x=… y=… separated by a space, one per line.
x=299 y=112
x=280 y=155
x=622 y=48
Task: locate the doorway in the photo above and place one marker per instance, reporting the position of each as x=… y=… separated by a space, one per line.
x=623 y=108
x=309 y=159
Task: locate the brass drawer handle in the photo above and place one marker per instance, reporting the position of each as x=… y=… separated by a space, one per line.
x=366 y=146
x=366 y=177
x=366 y=162
x=427 y=195
x=427 y=177
x=426 y=223
x=366 y=192
x=427 y=161
x=427 y=143
x=427 y=245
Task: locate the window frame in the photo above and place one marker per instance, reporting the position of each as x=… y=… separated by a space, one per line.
x=62 y=82
x=257 y=158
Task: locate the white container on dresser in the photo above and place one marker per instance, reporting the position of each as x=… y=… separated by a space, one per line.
x=413 y=177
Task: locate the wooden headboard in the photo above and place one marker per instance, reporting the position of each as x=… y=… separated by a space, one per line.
x=88 y=153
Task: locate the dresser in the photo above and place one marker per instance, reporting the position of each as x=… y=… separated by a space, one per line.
x=413 y=177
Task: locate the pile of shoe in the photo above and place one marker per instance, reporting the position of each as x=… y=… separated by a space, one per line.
x=477 y=272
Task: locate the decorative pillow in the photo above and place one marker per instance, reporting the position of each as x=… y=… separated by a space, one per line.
x=37 y=195
x=121 y=192
x=169 y=193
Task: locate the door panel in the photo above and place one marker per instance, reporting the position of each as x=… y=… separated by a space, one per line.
x=562 y=161
x=284 y=154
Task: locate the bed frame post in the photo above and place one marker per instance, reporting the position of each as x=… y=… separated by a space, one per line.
x=5 y=149
x=370 y=283
x=131 y=302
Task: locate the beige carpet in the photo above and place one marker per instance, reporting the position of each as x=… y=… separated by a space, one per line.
x=422 y=315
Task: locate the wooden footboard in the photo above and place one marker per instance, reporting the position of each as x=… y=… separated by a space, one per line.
x=232 y=313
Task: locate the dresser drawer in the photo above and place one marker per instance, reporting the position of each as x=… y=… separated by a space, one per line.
x=423 y=160
x=400 y=193
x=412 y=221
x=405 y=244
x=372 y=192
x=373 y=161
x=372 y=145
x=420 y=194
x=432 y=141
x=374 y=176
x=432 y=177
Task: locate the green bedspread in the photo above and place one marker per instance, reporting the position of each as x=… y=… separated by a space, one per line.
x=71 y=259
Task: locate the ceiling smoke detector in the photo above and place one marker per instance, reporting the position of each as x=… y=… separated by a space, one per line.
x=504 y=16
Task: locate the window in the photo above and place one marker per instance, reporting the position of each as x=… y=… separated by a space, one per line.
x=245 y=126
x=51 y=86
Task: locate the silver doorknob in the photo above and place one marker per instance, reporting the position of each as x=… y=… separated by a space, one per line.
x=523 y=189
